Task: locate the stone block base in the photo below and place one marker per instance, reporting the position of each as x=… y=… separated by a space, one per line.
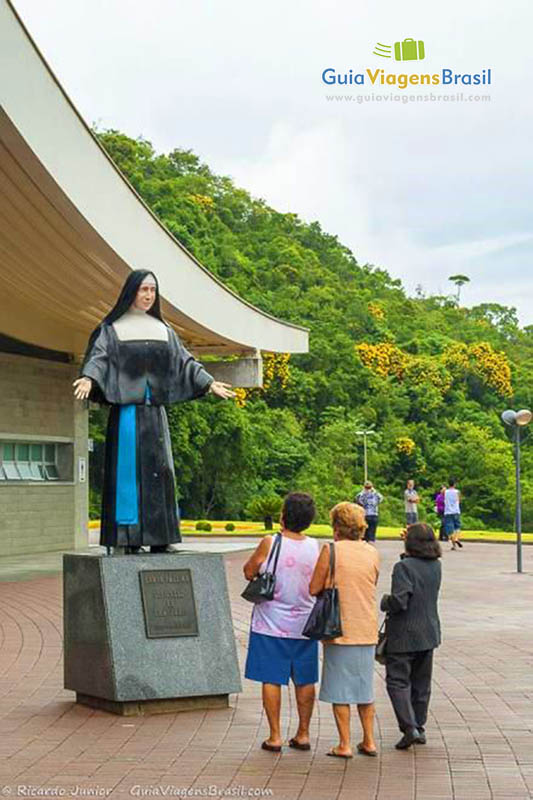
x=138 y=708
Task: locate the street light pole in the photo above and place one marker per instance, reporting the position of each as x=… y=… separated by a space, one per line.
x=518 y=420
x=364 y=434
x=518 y=502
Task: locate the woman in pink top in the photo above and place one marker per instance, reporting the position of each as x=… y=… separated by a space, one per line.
x=277 y=650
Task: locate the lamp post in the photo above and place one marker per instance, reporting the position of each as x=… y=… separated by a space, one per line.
x=364 y=434
x=518 y=420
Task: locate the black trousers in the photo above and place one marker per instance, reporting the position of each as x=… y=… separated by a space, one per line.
x=409 y=687
x=372 y=524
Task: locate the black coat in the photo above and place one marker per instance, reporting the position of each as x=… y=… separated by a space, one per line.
x=413 y=620
x=121 y=370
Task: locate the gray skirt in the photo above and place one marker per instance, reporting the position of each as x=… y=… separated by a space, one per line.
x=348 y=674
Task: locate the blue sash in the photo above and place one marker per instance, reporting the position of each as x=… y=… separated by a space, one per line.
x=127 y=498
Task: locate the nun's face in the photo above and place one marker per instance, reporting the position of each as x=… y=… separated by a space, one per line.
x=145 y=297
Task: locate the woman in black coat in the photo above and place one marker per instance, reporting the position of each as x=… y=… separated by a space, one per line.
x=413 y=631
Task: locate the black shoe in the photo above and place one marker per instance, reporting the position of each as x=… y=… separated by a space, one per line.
x=162 y=548
x=409 y=738
x=459 y=543
x=421 y=736
x=131 y=551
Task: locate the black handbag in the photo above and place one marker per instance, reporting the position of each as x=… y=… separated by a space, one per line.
x=381 y=647
x=325 y=619
x=261 y=588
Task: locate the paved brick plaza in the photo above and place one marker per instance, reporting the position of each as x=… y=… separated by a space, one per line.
x=480 y=734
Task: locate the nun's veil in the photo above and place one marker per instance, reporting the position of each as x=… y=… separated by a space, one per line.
x=125 y=301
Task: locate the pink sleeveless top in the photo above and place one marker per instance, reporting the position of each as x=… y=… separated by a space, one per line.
x=286 y=615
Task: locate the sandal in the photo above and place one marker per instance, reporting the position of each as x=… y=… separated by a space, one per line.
x=272 y=748
x=333 y=753
x=299 y=745
x=365 y=752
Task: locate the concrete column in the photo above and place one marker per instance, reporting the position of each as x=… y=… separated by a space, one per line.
x=246 y=373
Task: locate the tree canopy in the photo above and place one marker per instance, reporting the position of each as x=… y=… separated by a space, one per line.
x=429 y=376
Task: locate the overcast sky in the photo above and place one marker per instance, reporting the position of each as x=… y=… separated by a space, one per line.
x=423 y=189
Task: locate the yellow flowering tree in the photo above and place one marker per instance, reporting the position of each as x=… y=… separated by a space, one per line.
x=377 y=311
x=203 y=201
x=492 y=367
x=405 y=445
x=384 y=359
x=482 y=360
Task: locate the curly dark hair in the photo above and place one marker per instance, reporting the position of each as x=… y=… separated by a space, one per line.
x=421 y=542
x=298 y=511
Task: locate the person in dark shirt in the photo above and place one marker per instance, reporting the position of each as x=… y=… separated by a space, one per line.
x=413 y=631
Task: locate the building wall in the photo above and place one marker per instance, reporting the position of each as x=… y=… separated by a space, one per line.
x=36 y=403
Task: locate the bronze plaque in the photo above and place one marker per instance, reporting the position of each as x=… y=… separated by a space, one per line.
x=168 y=603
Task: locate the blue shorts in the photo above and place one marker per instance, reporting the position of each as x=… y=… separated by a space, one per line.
x=273 y=659
x=452 y=523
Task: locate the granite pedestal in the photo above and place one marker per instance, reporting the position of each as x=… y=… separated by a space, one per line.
x=148 y=633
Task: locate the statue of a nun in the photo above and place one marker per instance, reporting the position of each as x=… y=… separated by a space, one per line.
x=136 y=363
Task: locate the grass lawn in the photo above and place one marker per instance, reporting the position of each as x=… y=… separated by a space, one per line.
x=324 y=532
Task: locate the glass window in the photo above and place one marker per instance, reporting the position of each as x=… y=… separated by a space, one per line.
x=37 y=472
x=11 y=471
x=23 y=452
x=51 y=472
x=31 y=461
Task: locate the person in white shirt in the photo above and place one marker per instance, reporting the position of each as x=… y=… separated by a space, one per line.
x=412 y=500
x=452 y=515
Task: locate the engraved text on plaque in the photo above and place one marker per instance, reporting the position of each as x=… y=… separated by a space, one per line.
x=168 y=603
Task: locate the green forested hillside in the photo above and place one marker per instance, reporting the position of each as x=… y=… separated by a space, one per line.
x=429 y=376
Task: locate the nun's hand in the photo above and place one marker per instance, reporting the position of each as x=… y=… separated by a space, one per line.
x=222 y=390
x=82 y=388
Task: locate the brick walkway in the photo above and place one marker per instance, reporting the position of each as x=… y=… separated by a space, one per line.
x=480 y=735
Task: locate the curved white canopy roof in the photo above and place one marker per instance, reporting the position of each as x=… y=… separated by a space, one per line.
x=72 y=227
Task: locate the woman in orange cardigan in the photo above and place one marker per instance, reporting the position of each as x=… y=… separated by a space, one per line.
x=348 y=668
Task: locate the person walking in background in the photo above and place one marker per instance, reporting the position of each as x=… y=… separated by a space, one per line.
x=413 y=631
x=277 y=650
x=412 y=500
x=452 y=515
x=439 y=511
x=348 y=668
x=369 y=499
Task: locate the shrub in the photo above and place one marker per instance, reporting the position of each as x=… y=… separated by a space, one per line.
x=203 y=525
x=229 y=526
x=472 y=523
x=265 y=507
